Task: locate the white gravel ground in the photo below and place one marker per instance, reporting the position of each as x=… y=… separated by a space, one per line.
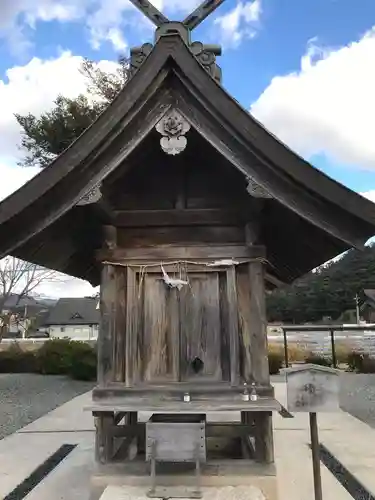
x=26 y=397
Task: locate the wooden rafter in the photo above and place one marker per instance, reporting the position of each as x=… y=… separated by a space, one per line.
x=150 y=11
x=201 y=12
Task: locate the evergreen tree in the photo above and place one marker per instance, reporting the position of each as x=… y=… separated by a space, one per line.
x=46 y=136
x=328 y=291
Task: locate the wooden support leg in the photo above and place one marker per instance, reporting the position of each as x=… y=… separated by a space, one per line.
x=263 y=437
x=104 y=442
x=153 y=470
x=247 y=449
x=132 y=419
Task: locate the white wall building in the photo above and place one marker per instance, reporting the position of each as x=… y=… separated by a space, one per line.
x=74 y=318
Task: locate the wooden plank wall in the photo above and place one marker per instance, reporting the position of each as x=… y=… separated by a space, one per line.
x=181 y=208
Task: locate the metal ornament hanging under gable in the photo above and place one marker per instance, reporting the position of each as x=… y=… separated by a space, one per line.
x=173 y=127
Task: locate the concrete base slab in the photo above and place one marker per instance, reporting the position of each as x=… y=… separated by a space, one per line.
x=224 y=493
x=77 y=477
x=258 y=476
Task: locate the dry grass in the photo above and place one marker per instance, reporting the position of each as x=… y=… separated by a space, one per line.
x=295 y=352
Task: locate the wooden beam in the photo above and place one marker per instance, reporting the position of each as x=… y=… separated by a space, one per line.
x=264 y=450
x=109 y=237
x=119 y=344
x=168 y=252
x=233 y=326
x=104 y=442
x=274 y=281
x=186 y=217
x=258 y=323
x=107 y=324
x=229 y=429
x=131 y=352
x=201 y=12
x=151 y=12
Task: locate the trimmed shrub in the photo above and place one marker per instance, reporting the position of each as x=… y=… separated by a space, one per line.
x=53 y=357
x=318 y=360
x=14 y=360
x=83 y=362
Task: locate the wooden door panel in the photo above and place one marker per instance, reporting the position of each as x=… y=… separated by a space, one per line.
x=200 y=328
x=160 y=325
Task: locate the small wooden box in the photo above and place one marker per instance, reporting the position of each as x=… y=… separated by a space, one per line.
x=176 y=438
x=312 y=389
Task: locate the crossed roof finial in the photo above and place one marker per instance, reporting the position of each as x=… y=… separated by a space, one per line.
x=190 y=22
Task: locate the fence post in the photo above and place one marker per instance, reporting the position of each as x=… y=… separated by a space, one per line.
x=286 y=357
x=333 y=349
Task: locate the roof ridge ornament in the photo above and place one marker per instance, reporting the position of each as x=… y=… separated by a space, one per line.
x=206 y=54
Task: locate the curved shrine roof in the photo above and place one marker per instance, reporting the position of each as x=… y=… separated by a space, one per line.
x=42 y=223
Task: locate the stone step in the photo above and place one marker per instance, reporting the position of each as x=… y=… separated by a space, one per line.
x=223 y=493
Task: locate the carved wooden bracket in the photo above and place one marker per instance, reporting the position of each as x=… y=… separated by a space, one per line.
x=92 y=196
x=173 y=127
x=256 y=190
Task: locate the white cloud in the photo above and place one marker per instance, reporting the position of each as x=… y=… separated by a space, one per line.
x=33 y=88
x=18 y=16
x=11 y=179
x=105 y=20
x=370 y=195
x=239 y=23
x=327 y=106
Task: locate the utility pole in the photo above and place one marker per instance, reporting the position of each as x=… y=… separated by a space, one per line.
x=356 y=298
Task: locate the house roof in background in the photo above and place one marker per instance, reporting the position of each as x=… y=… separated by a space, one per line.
x=74 y=311
x=13 y=300
x=370 y=295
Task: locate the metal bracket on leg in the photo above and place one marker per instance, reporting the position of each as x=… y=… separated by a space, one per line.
x=197 y=493
x=152 y=492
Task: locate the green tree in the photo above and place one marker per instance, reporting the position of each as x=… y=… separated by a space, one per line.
x=46 y=136
x=328 y=291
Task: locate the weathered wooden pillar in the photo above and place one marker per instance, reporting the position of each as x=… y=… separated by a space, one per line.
x=258 y=320
x=108 y=297
x=263 y=437
x=104 y=441
x=258 y=342
x=107 y=324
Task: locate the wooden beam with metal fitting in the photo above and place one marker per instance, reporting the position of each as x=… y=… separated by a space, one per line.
x=151 y=12
x=200 y=13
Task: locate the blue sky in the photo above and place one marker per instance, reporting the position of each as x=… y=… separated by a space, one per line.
x=304 y=68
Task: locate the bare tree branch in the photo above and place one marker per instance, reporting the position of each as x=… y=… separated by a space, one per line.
x=19 y=279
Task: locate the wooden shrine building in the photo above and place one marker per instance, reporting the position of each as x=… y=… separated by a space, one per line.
x=185 y=210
